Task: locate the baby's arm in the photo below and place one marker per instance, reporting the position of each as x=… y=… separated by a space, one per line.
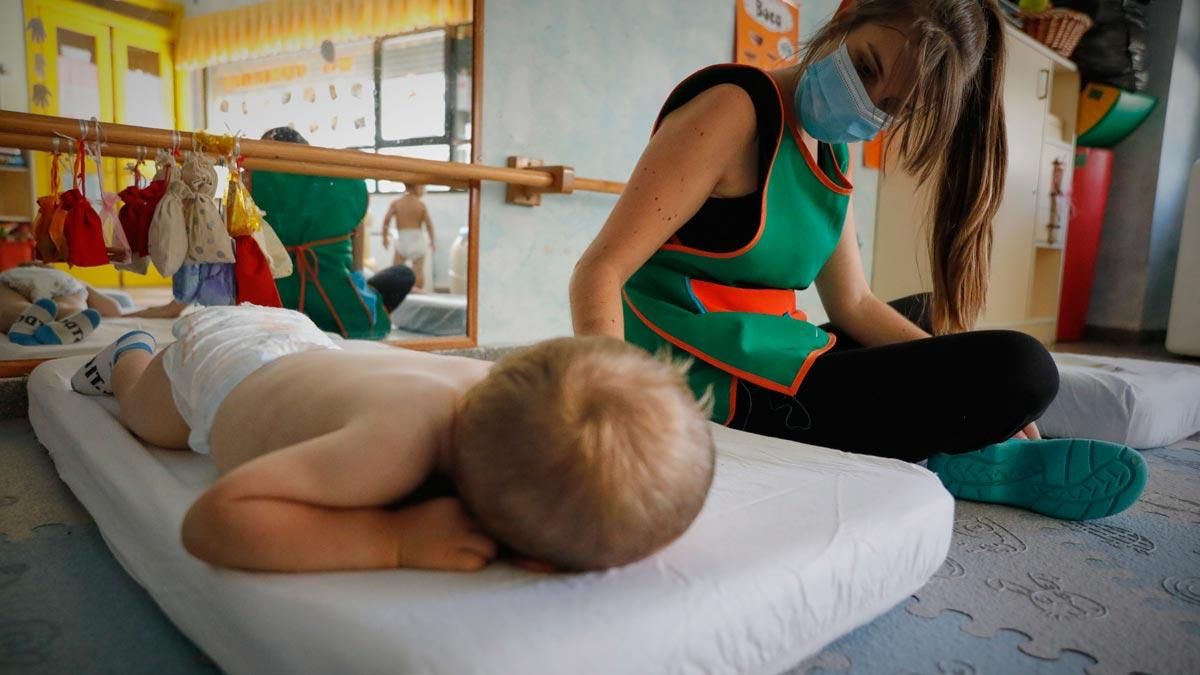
x=171 y=310
x=428 y=222
x=316 y=506
x=102 y=303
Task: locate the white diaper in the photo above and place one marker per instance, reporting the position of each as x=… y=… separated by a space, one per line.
x=216 y=348
x=36 y=283
x=410 y=244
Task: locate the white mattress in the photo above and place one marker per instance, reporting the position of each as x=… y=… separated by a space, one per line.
x=796 y=546
x=438 y=314
x=109 y=330
x=1142 y=404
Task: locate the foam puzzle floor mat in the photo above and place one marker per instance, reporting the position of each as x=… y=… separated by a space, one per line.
x=1018 y=593
x=1030 y=594
x=67 y=605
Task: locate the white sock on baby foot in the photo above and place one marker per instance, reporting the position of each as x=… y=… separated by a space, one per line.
x=95 y=377
x=74 y=328
x=34 y=317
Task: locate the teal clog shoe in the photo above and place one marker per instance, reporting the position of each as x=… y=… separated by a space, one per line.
x=1069 y=479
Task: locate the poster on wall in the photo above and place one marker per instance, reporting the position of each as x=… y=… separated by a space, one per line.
x=330 y=102
x=767 y=32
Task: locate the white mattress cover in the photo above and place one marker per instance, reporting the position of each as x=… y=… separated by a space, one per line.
x=796 y=546
x=439 y=314
x=109 y=330
x=1142 y=404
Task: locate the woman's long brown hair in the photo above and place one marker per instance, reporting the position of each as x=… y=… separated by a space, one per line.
x=949 y=131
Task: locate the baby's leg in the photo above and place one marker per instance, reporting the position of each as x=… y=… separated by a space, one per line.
x=21 y=318
x=418 y=268
x=12 y=304
x=75 y=322
x=143 y=391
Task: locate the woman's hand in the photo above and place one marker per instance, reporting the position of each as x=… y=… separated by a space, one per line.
x=1029 y=433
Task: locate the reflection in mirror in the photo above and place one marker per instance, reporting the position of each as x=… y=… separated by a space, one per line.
x=420 y=234
x=373 y=259
x=408 y=95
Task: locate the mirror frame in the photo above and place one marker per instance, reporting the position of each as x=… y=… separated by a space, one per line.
x=22 y=367
x=471 y=339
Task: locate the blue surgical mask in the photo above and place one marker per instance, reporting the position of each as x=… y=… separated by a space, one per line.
x=833 y=104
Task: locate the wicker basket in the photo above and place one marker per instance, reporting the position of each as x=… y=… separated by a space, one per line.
x=1058 y=29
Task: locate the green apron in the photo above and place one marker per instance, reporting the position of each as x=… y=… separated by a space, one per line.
x=734 y=313
x=315 y=218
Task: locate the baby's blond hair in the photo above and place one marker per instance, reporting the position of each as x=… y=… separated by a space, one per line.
x=583 y=453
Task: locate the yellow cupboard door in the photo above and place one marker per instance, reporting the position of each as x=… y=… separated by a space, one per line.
x=144 y=85
x=70 y=75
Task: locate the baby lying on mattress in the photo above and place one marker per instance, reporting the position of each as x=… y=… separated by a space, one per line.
x=578 y=454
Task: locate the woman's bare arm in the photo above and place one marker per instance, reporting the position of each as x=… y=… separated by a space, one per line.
x=693 y=152
x=848 y=299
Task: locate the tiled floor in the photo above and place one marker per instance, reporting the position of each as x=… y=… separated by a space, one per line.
x=1151 y=352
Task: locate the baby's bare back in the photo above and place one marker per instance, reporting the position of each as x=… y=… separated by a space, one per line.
x=409 y=212
x=407 y=396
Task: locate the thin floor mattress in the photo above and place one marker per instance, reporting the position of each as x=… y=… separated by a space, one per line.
x=109 y=330
x=795 y=547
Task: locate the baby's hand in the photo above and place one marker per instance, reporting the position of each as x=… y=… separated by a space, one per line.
x=439 y=535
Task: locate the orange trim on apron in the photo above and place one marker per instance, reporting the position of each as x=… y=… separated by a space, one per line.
x=793 y=125
x=733 y=382
x=732 y=370
x=714 y=297
x=308 y=267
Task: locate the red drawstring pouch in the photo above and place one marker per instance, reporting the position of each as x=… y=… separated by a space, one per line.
x=82 y=229
x=84 y=233
x=48 y=224
x=138 y=211
x=253 y=273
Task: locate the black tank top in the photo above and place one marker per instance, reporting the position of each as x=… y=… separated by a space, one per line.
x=727 y=224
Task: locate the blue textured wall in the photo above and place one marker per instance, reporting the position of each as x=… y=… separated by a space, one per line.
x=580 y=83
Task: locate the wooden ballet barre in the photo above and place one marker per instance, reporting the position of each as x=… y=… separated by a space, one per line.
x=121 y=151
x=535 y=179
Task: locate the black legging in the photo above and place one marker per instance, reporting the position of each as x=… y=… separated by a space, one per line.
x=393 y=285
x=951 y=394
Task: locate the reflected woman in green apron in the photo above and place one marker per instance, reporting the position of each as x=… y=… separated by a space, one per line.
x=742 y=198
x=316 y=218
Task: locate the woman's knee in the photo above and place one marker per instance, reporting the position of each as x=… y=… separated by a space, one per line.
x=1024 y=368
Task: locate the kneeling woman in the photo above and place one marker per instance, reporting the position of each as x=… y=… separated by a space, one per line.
x=743 y=196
